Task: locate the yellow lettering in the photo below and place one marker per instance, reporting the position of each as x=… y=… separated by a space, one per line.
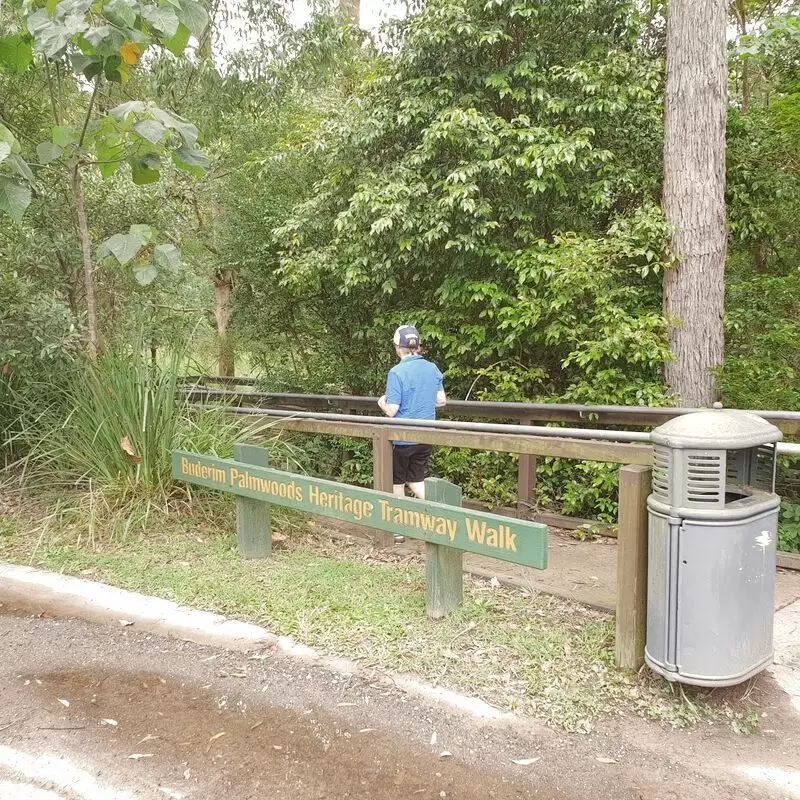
x=491 y=537
x=476 y=531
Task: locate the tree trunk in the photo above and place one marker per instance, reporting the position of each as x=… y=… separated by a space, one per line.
x=92 y=340
x=223 y=288
x=694 y=195
x=353 y=10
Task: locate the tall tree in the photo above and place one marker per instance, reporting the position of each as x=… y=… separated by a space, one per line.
x=694 y=195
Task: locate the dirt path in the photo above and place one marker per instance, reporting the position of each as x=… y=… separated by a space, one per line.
x=585 y=572
x=210 y=723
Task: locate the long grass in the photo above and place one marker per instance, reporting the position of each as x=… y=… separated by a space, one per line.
x=113 y=425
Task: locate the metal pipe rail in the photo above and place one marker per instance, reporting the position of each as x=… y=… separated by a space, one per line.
x=784 y=448
x=787 y=421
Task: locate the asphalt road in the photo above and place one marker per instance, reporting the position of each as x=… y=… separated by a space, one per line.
x=90 y=712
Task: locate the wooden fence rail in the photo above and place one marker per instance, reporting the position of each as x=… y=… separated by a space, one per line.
x=634 y=487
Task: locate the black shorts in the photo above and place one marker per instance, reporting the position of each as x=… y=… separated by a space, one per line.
x=409 y=462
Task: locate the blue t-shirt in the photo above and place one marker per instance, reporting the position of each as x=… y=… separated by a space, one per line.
x=413 y=385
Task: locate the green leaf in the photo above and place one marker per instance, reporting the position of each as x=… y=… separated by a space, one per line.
x=64 y=135
x=162 y=19
x=47 y=152
x=167 y=256
x=145 y=274
x=19 y=166
x=145 y=169
x=120 y=12
x=5 y=151
x=88 y=66
x=144 y=233
x=109 y=151
x=15 y=53
x=50 y=37
x=14 y=198
x=177 y=44
x=123 y=109
x=106 y=41
x=111 y=69
x=187 y=131
x=190 y=160
x=123 y=246
x=151 y=129
x=9 y=138
x=194 y=17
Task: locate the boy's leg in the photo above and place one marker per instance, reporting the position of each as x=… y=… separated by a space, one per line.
x=417 y=467
x=400 y=455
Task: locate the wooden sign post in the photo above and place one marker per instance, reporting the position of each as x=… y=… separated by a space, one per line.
x=444 y=570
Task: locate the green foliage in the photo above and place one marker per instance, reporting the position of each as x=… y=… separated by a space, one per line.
x=789 y=528
x=114 y=424
x=762 y=326
x=96 y=43
x=505 y=203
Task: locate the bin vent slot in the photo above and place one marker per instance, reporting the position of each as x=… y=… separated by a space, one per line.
x=765 y=455
x=662 y=479
x=704 y=478
x=735 y=462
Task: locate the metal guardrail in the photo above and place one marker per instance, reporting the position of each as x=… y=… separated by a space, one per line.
x=634 y=416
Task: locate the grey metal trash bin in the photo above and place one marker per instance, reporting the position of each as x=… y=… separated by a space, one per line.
x=713 y=520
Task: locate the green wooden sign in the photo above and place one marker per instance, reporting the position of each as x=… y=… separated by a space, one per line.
x=518 y=541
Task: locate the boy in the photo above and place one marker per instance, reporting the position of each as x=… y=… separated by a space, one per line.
x=414 y=390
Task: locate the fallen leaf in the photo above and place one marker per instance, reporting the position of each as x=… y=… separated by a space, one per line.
x=366 y=730
x=494 y=583
x=606 y=760
x=64 y=703
x=127 y=448
x=216 y=736
x=525 y=762
x=434 y=738
x=125 y=623
x=445 y=754
x=147 y=738
x=137 y=756
x=277 y=747
x=111 y=722
x=45 y=615
x=345 y=704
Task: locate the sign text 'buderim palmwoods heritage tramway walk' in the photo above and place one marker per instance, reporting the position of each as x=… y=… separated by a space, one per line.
x=440 y=523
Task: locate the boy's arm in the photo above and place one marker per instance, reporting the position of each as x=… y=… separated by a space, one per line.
x=441 y=397
x=390 y=409
x=390 y=402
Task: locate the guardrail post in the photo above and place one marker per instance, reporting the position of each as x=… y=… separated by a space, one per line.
x=382 y=476
x=253 y=529
x=444 y=571
x=631 y=629
x=526 y=478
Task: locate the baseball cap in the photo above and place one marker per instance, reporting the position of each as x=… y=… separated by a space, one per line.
x=406 y=336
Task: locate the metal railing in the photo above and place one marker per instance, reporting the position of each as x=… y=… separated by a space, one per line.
x=633 y=416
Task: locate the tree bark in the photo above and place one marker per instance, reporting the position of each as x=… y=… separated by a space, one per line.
x=223 y=288
x=694 y=195
x=92 y=340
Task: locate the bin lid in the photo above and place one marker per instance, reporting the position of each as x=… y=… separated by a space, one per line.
x=716 y=429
